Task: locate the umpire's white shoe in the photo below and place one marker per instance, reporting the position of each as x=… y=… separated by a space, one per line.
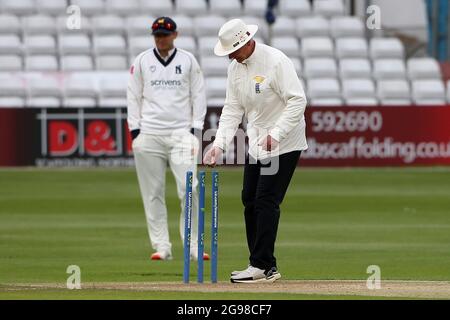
x=273 y=275
x=236 y=272
x=256 y=275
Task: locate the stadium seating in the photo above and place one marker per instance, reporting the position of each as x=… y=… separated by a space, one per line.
x=40 y=44
x=359 y=92
x=12 y=91
x=138 y=45
x=384 y=69
x=328 y=8
x=51 y=7
x=355 y=68
x=394 y=92
x=77 y=63
x=109 y=44
x=112 y=91
x=295 y=8
x=12 y=102
x=44 y=91
x=326 y=102
x=225 y=8
x=255 y=8
x=215 y=90
x=186 y=43
x=123 y=7
x=346 y=27
x=283 y=26
x=80 y=91
x=289 y=45
x=317 y=47
x=141 y=25
x=85 y=26
x=351 y=48
x=185 y=25
x=428 y=92
x=90 y=7
x=9 y=44
x=10 y=63
x=10 y=24
x=156 y=8
x=320 y=68
x=41 y=63
x=208 y=25
x=326 y=45
x=214 y=66
x=20 y=8
x=385 y=48
x=206 y=46
x=315 y=26
x=111 y=63
x=324 y=92
x=108 y=24
x=74 y=44
x=39 y=24
x=423 y=68
x=191 y=7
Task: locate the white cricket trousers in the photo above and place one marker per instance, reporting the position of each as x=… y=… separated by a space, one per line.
x=152 y=154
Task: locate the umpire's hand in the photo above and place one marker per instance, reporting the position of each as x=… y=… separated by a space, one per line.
x=268 y=143
x=211 y=156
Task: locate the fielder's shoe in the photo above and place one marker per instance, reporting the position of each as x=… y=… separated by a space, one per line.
x=256 y=275
x=194 y=256
x=163 y=255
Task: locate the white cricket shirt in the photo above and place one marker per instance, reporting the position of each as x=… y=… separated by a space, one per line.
x=266 y=90
x=166 y=95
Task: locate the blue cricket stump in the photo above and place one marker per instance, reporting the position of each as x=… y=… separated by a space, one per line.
x=214 y=225
x=187 y=227
x=201 y=226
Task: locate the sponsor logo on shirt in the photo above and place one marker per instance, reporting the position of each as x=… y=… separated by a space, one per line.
x=165 y=83
x=178 y=69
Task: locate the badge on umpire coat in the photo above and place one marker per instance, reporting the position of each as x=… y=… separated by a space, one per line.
x=258 y=80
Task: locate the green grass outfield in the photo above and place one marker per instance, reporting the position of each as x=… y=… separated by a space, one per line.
x=334 y=224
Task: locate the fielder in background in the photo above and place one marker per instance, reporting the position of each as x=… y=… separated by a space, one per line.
x=166 y=104
x=264 y=87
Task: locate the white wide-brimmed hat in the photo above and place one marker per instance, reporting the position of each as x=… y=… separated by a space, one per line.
x=233 y=35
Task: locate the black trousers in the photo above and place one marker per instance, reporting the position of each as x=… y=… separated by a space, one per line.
x=262 y=196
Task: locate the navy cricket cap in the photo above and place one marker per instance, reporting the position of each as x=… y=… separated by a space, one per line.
x=164 y=25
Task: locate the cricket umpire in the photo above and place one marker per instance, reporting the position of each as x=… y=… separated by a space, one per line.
x=166 y=103
x=264 y=88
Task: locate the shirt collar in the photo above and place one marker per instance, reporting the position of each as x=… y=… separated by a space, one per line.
x=168 y=56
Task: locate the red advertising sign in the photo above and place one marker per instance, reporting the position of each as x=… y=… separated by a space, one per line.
x=337 y=136
x=383 y=136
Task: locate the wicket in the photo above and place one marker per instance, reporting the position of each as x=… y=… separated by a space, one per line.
x=187 y=227
x=201 y=226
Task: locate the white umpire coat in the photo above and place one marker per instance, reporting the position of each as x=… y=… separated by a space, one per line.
x=267 y=91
